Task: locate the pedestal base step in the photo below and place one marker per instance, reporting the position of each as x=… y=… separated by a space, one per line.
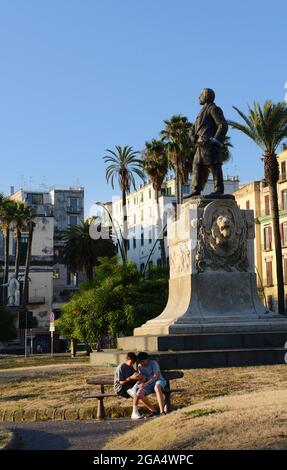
x=204 y=341
x=200 y=359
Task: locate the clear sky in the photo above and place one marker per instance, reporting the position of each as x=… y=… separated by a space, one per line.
x=80 y=76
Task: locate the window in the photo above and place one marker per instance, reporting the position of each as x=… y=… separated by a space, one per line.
x=142 y=239
x=269 y=276
x=142 y=267
x=135 y=219
x=72 y=279
x=73 y=220
x=149 y=193
x=150 y=236
x=134 y=243
x=247 y=204
x=142 y=216
x=35 y=198
x=268 y=238
x=128 y=244
x=283 y=171
x=284 y=199
x=142 y=197
x=270 y=302
x=159 y=262
x=150 y=265
x=283 y=233
x=285 y=270
x=74 y=204
x=267 y=205
x=56 y=274
x=186 y=189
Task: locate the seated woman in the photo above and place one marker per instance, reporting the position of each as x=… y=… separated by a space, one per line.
x=154 y=382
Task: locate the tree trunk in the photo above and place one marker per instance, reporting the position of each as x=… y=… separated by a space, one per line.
x=125 y=221
x=278 y=249
x=90 y=273
x=17 y=257
x=27 y=265
x=271 y=173
x=73 y=348
x=6 y=262
x=178 y=192
x=159 y=232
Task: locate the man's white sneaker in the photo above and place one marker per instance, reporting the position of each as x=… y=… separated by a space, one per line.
x=136 y=415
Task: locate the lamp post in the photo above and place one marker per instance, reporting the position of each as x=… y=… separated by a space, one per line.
x=120 y=241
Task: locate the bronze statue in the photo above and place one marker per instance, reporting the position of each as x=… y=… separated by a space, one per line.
x=208 y=134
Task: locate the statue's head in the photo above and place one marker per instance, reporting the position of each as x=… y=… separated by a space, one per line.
x=207 y=95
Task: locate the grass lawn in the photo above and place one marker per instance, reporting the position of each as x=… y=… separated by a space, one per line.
x=60 y=387
x=5 y=437
x=256 y=420
x=9 y=362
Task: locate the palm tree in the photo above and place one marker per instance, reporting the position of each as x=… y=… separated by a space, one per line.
x=155 y=163
x=23 y=213
x=176 y=134
x=29 y=225
x=7 y=212
x=267 y=126
x=81 y=252
x=123 y=165
x=225 y=153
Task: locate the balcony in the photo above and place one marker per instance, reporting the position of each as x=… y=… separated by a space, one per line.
x=74 y=209
x=36 y=300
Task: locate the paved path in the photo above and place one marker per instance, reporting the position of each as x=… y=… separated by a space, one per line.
x=68 y=435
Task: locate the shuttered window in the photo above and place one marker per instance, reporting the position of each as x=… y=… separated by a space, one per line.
x=269 y=273
x=267 y=205
x=268 y=238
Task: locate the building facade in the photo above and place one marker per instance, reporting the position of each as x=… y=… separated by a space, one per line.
x=50 y=284
x=256 y=196
x=143 y=213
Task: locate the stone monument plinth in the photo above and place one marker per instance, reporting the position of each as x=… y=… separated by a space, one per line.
x=214 y=316
x=212 y=286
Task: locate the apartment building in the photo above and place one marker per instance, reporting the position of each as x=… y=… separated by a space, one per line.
x=143 y=214
x=51 y=284
x=256 y=196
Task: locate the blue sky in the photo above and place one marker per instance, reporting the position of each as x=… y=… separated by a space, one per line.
x=80 y=76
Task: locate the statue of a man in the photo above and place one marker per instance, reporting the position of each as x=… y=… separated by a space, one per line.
x=13 y=291
x=208 y=134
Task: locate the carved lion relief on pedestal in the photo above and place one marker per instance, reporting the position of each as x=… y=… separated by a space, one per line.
x=222 y=238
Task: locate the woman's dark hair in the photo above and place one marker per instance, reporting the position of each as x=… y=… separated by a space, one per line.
x=132 y=356
x=142 y=356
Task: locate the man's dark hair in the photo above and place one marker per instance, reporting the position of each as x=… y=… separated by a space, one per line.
x=210 y=95
x=142 y=356
x=131 y=356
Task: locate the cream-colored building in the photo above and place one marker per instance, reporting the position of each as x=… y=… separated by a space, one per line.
x=142 y=212
x=255 y=196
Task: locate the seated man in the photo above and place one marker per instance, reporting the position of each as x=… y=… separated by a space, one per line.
x=154 y=382
x=126 y=376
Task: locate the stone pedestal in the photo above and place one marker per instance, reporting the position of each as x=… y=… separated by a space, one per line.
x=213 y=317
x=212 y=286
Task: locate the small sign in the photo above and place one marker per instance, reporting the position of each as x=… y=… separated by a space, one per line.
x=52 y=316
x=52 y=326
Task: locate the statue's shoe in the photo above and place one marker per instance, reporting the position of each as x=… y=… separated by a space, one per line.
x=194 y=193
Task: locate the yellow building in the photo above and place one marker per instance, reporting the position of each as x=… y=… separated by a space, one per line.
x=255 y=196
